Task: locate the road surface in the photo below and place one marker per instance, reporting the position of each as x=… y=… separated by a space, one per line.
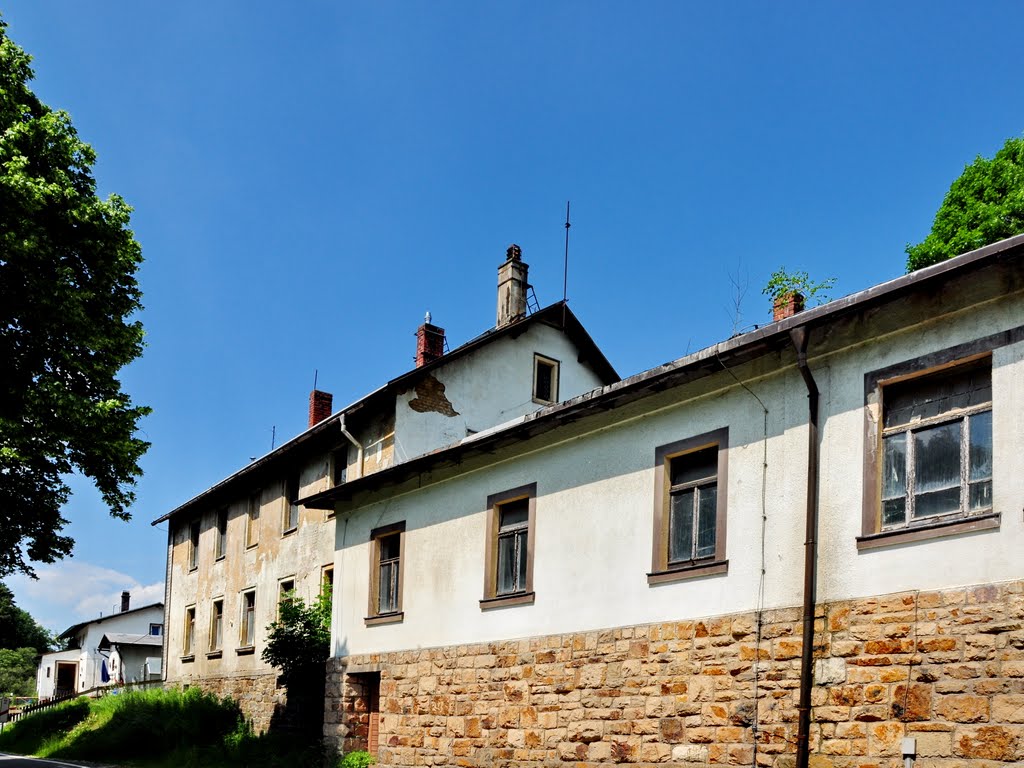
x=17 y=761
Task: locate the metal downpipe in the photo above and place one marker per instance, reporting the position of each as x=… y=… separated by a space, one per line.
x=799 y=338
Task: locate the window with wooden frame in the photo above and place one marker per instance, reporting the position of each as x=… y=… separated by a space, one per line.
x=252 y=520
x=690 y=483
x=291 y=503
x=247 y=622
x=928 y=467
x=511 y=523
x=387 y=547
x=188 y=631
x=193 y=545
x=327 y=579
x=222 y=534
x=285 y=592
x=216 y=627
x=545 y=379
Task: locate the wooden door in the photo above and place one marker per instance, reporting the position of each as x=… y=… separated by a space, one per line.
x=373 y=707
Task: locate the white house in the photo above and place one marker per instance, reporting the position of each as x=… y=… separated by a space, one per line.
x=803 y=544
x=92 y=660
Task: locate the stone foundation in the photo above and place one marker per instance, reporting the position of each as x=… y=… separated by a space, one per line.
x=945 y=668
x=257 y=695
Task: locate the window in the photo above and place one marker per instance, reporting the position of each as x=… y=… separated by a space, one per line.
x=190 y=631
x=339 y=466
x=509 y=559
x=929 y=463
x=217 y=626
x=252 y=522
x=387 y=545
x=545 y=380
x=156 y=629
x=690 y=508
x=193 y=545
x=285 y=592
x=327 y=579
x=291 y=507
x=222 y=533
x=247 y=634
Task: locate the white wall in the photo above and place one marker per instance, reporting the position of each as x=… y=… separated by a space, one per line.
x=489 y=386
x=594 y=505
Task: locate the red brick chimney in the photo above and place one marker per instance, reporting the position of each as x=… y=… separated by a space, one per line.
x=126 y=598
x=787 y=305
x=320 y=404
x=429 y=343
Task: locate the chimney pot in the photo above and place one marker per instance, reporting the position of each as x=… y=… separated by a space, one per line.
x=126 y=598
x=320 y=404
x=512 y=287
x=429 y=343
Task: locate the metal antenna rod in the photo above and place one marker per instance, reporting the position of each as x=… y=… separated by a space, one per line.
x=565 y=267
x=273 y=436
x=315 y=373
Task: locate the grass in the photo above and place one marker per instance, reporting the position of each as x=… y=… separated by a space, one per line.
x=157 y=729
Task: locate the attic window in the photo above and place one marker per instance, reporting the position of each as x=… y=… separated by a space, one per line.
x=545 y=380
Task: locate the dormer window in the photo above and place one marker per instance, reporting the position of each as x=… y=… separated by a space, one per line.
x=545 y=380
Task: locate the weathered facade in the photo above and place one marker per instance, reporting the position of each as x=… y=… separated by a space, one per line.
x=619 y=577
x=234 y=549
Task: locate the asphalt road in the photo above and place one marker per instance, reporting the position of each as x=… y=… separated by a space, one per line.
x=17 y=761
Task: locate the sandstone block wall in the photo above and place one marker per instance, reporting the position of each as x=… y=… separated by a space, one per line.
x=257 y=695
x=946 y=668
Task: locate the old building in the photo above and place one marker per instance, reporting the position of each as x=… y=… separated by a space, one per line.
x=236 y=548
x=802 y=543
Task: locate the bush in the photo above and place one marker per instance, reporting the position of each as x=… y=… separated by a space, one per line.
x=27 y=735
x=358 y=759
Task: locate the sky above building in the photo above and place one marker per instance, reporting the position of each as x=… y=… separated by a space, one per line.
x=308 y=180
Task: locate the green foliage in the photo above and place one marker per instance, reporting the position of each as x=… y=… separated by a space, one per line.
x=984 y=205
x=783 y=283
x=18 y=671
x=358 y=759
x=67 y=296
x=159 y=729
x=299 y=642
x=18 y=629
x=28 y=735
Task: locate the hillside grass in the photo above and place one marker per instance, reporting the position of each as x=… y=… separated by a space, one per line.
x=157 y=729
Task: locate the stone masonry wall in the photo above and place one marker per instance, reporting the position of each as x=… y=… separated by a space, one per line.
x=257 y=695
x=946 y=668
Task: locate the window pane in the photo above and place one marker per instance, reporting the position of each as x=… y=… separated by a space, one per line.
x=389 y=547
x=981 y=495
x=521 y=560
x=507 y=567
x=707 y=508
x=388 y=588
x=894 y=473
x=894 y=511
x=937 y=458
x=981 y=446
x=695 y=466
x=932 y=395
x=680 y=534
x=514 y=513
x=937 y=502
x=545 y=373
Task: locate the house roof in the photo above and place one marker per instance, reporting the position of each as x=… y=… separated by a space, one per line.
x=127 y=638
x=825 y=321
x=73 y=629
x=556 y=315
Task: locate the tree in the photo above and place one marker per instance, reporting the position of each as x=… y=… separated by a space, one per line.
x=67 y=297
x=18 y=671
x=299 y=642
x=18 y=629
x=984 y=205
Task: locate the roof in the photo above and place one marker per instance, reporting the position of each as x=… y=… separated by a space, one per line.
x=127 y=638
x=73 y=629
x=724 y=355
x=556 y=315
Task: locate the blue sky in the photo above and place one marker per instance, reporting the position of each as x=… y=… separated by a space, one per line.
x=308 y=182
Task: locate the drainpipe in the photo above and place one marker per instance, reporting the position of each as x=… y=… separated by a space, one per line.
x=799 y=338
x=356 y=443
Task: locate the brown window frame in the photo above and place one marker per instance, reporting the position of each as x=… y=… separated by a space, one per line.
x=873 y=534
x=216 y=628
x=373 y=614
x=525 y=596
x=189 y=632
x=221 y=545
x=284 y=587
x=195 y=530
x=556 y=367
x=247 y=618
x=291 y=512
x=661 y=571
x=252 y=520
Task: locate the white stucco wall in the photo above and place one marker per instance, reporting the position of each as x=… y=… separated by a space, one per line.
x=594 y=506
x=489 y=386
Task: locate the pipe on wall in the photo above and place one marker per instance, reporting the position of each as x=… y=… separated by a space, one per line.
x=799 y=338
